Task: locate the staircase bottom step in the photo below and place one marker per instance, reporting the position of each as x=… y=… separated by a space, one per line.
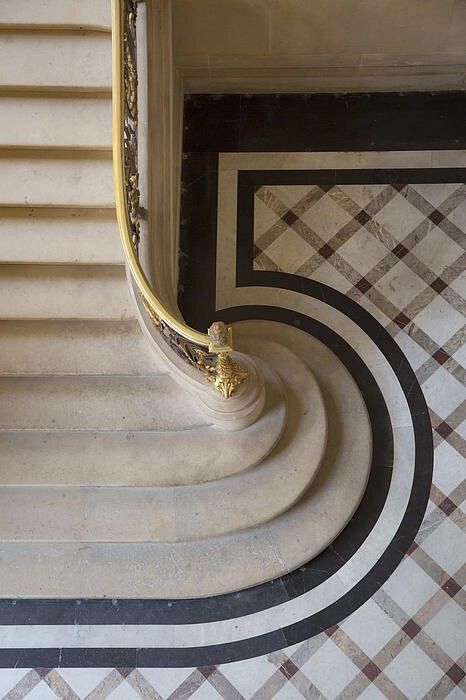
x=216 y=565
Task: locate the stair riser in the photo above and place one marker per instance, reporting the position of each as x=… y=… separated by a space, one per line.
x=77 y=347
x=66 y=12
x=50 y=59
x=86 y=514
x=37 y=121
x=73 y=238
x=102 y=458
x=157 y=458
x=167 y=514
x=52 y=182
x=32 y=292
x=205 y=567
x=95 y=403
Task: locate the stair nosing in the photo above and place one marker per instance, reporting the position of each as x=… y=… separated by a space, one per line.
x=105 y=431
x=79 y=28
x=57 y=263
x=132 y=321
x=54 y=152
x=28 y=377
x=59 y=91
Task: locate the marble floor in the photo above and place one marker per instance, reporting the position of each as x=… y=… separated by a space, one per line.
x=356 y=234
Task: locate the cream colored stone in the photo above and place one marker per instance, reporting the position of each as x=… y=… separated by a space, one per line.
x=233 y=65
x=56 y=121
x=320 y=46
x=157 y=458
x=49 y=59
x=96 y=424
x=245 y=405
x=86 y=514
x=223 y=505
x=226 y=563
x=163 y=135
x=95 y=403
x=275 y=484
x=299 y=80
x=449 y=159
x=211 y=509
x=299 y=26
x=56 y=181
x=349 y=434
x=75 y=347
x=213 y=27
x=416 y=61
x=45 y=235
x=143 y=570
x=284 y=28
x=80 y=13
x=231 y=162
x=60 y=291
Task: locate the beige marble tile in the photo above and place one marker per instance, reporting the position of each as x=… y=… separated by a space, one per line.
x=340 y=160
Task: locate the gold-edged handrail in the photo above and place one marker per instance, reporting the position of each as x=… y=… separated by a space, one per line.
x=207 y=352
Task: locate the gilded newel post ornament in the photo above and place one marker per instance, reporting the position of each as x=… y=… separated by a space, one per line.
x=229 y=375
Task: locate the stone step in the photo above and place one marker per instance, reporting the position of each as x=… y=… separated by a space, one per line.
x=50 y=59
x=117 y=402
x=73 y=236
x=68 y=13
x=216 y=565
x=55 y=121
x=64 y=291
x=56 y=182
x=157 y=458
x=166 y=514
x=75 y=347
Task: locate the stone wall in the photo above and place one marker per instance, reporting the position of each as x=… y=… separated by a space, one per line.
x=320 y=44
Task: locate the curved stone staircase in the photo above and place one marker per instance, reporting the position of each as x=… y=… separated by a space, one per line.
x=113 y=482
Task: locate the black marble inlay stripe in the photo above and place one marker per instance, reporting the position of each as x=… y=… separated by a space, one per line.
x=303 y=629
x=434 y=121
x=248 y=601
x=183 y=611
x=325 y=122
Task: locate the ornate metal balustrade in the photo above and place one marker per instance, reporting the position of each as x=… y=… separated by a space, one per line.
x=208 y=352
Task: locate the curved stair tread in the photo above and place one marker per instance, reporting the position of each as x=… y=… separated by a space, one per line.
x=157 y=457
x=275 y=484
x=228 y=563
x=80 y=402
x=184 y=513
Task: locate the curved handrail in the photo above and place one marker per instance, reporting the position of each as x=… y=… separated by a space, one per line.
x=207 y=352
x=120 y=188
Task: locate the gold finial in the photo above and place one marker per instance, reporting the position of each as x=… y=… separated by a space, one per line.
x=229 y=375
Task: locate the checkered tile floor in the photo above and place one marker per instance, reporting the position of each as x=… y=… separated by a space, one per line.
x=398 y=250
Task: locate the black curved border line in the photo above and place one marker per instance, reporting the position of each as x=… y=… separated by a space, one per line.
x=200 y=227
x=306 y=628
x=262 y=596
x=149 y=611
x=291 y=634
